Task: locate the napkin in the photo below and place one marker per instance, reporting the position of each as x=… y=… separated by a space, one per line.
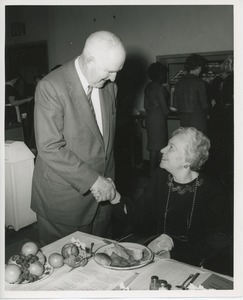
x=163 y=242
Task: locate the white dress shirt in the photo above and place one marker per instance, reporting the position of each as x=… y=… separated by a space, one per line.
x=94 y=96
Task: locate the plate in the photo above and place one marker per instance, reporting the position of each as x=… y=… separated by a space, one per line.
x=48 y=271
x=132 y=246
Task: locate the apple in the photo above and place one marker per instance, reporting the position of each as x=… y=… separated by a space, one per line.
x=36 y=268
x=29 y=248
x=69 y=249
x=12 y=273
x=56 y=260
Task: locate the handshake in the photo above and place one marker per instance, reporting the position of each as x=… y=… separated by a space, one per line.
x=104 y=189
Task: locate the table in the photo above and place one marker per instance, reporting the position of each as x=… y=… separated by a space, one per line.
x=94 y=277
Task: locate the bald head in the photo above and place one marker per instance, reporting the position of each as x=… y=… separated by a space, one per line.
x=101 y=41
x=103 y=56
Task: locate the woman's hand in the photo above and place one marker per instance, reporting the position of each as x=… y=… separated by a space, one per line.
x=163 y=242
x=173 y=109
x=28 y=99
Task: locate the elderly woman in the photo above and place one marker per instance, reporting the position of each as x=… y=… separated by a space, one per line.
x=182 y=203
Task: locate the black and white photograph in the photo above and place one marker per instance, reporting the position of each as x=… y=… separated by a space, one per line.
x=121 y=149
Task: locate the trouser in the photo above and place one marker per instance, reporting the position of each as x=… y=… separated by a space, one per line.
x=50 y=231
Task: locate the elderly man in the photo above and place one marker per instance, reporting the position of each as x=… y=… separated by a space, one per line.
x=75 y=114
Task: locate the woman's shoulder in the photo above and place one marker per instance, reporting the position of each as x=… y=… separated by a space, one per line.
x=211 y=183
x=152 y=85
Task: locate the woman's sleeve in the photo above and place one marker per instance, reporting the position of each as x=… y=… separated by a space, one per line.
x=203 y=96
x=146 y=99
x=220 y=209
x=217 y=234
x=163 y=101
x=141 y=210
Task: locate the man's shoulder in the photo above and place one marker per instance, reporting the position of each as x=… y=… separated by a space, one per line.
x=61 y=72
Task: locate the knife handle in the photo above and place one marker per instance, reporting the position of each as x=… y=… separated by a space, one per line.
x=193 y=279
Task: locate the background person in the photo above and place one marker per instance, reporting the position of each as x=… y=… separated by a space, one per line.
x=75 y=141
x=222 y=100
x=181 y=202
x=221 y=123
x=13 y=102
x=156 y=104
x=190 y=96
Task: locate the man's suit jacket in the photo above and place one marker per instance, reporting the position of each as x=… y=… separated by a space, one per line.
x=71 y=151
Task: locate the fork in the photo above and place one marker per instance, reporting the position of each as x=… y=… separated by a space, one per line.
x=183 y=285
x=91 y=249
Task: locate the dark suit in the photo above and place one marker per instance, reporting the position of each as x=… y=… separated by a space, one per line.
x=71 y=151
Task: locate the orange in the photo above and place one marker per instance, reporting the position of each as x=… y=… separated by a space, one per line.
x=12 y=272
x=36 y=268
x=56 y=260
x=29 y=248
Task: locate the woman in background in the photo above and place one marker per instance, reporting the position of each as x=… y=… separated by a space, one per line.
x=190 y=96
x=221 y=122
x=156 y=104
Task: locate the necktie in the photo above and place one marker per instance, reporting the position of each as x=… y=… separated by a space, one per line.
x=89 y=92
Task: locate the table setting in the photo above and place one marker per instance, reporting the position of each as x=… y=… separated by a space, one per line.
x=83 y=262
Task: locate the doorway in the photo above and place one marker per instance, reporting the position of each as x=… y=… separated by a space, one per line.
x=27 y=60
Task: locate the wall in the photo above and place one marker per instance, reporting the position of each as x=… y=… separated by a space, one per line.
x=147 y=31
x=36 y=23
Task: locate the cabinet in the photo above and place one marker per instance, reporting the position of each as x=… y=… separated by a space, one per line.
x=19 y=166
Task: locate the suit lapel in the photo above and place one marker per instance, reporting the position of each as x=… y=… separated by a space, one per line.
x=78 y=95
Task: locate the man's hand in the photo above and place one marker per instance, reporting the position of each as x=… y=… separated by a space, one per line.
x=103 y=189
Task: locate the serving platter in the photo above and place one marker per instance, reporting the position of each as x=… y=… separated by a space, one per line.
x=148 y=255
x=47 y=272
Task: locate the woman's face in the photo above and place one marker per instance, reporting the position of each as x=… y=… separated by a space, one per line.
x=173 y=155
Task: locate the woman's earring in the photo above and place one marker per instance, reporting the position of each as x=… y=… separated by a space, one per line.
x=186 y=166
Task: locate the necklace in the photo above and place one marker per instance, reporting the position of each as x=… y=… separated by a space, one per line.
x=170 y=184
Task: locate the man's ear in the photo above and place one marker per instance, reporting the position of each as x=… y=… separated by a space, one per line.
x=90 y=62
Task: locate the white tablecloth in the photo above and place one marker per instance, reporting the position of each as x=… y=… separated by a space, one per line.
x=94 y=277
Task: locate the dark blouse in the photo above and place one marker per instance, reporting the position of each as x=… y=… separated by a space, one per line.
x=155 y=95
x=156 y=100
x=191 y=224
x=190 y=95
